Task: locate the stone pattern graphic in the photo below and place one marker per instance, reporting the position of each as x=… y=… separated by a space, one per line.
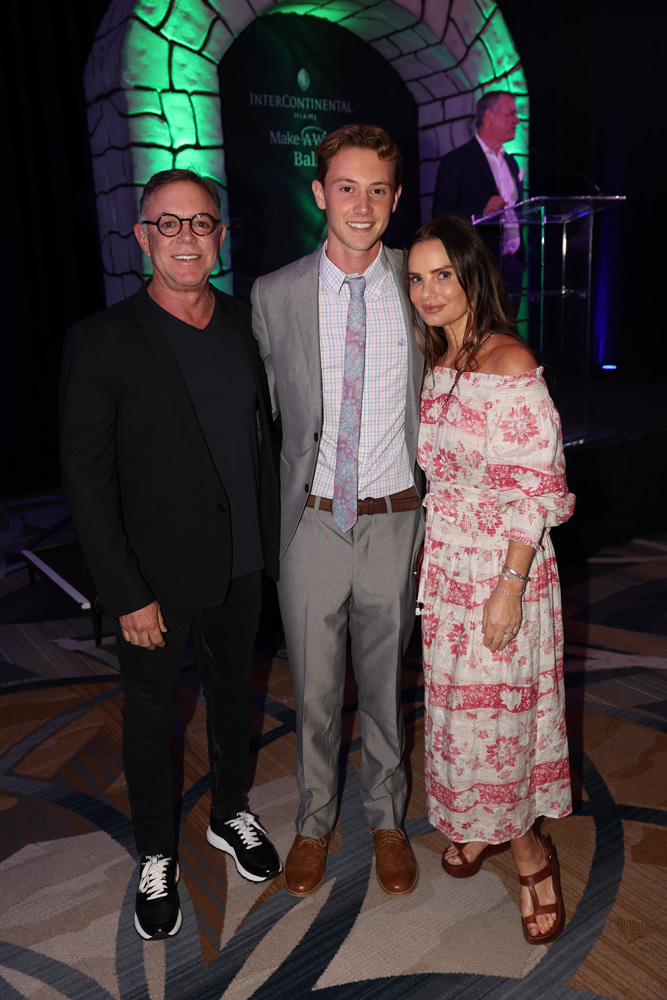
x=152 y=92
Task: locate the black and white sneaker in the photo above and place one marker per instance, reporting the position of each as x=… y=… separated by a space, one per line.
x=157 y=912
x=243 y=838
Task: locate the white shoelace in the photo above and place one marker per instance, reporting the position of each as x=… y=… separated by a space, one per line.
x=246 y=826
x=154 y=877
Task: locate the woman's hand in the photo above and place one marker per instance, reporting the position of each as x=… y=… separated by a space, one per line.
x=501 y=619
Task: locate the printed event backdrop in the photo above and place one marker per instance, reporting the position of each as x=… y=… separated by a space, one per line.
x=284 y=84
x=155 y=100
x=102 y=92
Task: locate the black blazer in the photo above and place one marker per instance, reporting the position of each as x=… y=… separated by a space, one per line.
x=148 y=505
x=464 y=184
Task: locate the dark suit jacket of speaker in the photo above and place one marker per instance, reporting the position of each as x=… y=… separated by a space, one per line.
x=464 y=184
x=147 y=502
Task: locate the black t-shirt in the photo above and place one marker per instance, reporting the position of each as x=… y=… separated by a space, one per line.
x=217 y=372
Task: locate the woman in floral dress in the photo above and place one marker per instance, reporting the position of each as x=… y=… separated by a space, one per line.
x=490 y=444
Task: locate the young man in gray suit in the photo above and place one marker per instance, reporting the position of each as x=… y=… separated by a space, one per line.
x=335 y=333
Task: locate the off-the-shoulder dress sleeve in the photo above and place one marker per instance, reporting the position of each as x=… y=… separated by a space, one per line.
x=524 y=453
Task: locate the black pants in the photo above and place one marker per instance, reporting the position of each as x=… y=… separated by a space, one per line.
x=224 y=638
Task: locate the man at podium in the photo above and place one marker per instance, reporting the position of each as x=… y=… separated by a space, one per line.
x=480 y=178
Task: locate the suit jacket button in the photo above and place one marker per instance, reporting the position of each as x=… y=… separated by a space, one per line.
x=307 y=488
x=222 y=507
x=317 y=436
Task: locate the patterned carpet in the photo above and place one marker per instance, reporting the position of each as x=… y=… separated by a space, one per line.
x=68 y=870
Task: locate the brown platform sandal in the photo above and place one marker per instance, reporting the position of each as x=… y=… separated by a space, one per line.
x=539 y=909
x=468 y=868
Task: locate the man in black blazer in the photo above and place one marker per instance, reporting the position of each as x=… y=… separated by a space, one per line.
x=169 y=474
x=480 y=178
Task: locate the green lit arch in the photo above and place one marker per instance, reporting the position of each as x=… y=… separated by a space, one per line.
x=153 y=99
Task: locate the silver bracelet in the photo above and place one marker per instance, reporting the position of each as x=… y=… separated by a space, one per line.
x=513 y=572
x=508 y=593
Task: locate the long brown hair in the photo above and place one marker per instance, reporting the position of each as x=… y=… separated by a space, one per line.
x=489 y=309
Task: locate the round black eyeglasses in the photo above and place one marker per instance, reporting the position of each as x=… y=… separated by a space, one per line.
x=201 y=224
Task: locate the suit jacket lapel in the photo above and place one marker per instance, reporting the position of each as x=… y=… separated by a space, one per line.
x=514 y=170
x=481 y=160
x=304 y=301
x=482 y=163
x=415 y=356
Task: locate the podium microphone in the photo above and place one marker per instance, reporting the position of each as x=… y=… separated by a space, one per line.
x=568 y=170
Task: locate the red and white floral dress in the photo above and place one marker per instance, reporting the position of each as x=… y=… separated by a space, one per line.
x=496 y=747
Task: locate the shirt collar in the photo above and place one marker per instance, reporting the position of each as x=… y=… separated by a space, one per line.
x=334 y=279
x=488 y=150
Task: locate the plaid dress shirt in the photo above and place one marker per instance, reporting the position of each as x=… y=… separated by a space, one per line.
x=384 y=466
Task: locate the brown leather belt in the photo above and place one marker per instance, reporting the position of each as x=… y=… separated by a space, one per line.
x=404 y=500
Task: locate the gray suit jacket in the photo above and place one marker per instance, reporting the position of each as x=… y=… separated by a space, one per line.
x=286 y=323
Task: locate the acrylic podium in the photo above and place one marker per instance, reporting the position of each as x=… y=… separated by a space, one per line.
x=561 y=248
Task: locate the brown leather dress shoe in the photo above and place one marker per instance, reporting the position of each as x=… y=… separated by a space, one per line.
x=306 y=865
x=395 y=864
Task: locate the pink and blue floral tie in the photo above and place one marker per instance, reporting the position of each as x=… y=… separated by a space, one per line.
x=344 y=507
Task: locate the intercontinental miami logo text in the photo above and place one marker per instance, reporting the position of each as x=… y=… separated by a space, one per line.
x=293 y=102
x=303 y=140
